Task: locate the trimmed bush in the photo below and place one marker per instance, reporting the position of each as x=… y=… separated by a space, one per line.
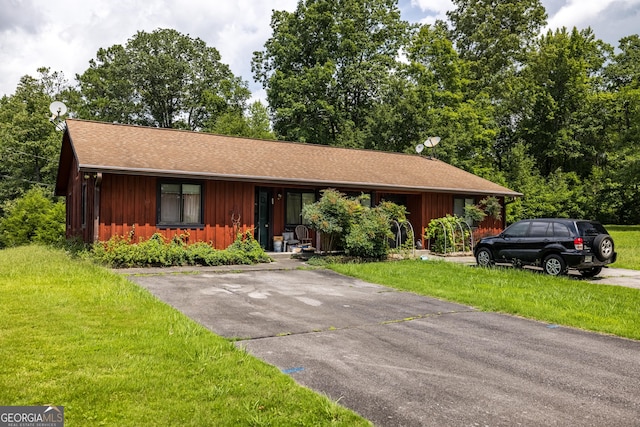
x=32 y=218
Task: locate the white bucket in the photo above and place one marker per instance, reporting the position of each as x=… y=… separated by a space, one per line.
x=277 y=245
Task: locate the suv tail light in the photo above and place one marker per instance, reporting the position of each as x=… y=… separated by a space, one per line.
x=578 y=243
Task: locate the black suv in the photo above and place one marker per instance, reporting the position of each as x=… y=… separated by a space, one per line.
x=553 y=244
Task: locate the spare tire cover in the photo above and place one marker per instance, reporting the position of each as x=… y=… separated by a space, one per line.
x=603 y=247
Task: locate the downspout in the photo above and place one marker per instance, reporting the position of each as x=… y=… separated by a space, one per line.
x=96 y=207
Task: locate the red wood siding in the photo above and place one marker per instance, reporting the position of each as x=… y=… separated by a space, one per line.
x=438 y=205
x=74 y=200
x=128 y=206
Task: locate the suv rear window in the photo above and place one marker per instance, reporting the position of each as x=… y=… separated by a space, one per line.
x=590 y=228
x=561 y=230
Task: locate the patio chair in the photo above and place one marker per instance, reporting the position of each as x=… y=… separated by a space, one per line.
x=302 y=233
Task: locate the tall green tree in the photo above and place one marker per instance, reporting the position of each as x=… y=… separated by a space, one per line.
x=446 y=107
x=495 y=36
x=622 y=179
x=325 y=64
x=562 y=126
x=29 y=143
x=164 y=79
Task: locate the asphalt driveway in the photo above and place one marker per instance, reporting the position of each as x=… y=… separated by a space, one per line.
x=405 y=360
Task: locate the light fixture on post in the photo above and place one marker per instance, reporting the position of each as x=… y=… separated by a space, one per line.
x=431 y=142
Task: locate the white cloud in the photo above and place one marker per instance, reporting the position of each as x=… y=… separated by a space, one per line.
x=609 y=19
x=68 y=33
x=436 y=9
x=65 y=34
x=578 y=12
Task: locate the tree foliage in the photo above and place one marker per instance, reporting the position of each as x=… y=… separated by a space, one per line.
x=494 y=36
x=164 y=79
x=325 y=67
x=252 y=124
x=32 y=218
x=29 y=143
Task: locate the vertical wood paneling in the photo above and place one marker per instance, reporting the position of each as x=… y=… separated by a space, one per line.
x=278 y=219
x=126 y=201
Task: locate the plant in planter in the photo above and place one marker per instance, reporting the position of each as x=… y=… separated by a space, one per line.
x=492 y=207
x=474 y=213
x=446 y=235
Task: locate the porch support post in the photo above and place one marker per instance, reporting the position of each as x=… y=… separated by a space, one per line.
x=96 y=207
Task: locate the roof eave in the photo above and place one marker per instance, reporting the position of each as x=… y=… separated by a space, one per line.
x=295 y=181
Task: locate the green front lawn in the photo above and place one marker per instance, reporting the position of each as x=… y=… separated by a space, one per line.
x=77 y=335
x=526 y=293
x=627 y=241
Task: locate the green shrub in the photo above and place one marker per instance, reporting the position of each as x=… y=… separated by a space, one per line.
x=247 y=250
x=32 y=218
x=330 y=216
x=448 y=234
x=368 y=235
x=345 y=223
x=157 y=251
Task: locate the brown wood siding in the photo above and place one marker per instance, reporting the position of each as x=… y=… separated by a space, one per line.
x=74 y=200
x=128 y=206
x=416 y=214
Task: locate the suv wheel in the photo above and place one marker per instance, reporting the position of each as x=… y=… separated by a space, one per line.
x=590 y=272
x=554 y=265
x=603 y=247
x=484 y=257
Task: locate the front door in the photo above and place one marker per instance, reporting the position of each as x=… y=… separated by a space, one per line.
x=263 y=217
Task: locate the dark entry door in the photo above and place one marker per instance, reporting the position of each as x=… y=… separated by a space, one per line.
x=263 y=217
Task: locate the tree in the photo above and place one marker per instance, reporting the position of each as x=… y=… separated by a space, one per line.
x=29 y=143
x=162 y=79
x=620 y=192
x=495 y=36
x=562 y=125
x=254 y=124
x=624 y=70
x=324 y=66
x=432 y=99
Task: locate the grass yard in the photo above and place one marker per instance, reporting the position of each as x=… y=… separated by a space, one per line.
x=77 y=335
x=627 y=241
x=602 y=308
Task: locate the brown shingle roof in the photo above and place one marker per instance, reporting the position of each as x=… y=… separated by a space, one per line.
x=105 y=147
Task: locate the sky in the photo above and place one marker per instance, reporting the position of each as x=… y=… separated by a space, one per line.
x=65 y=35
